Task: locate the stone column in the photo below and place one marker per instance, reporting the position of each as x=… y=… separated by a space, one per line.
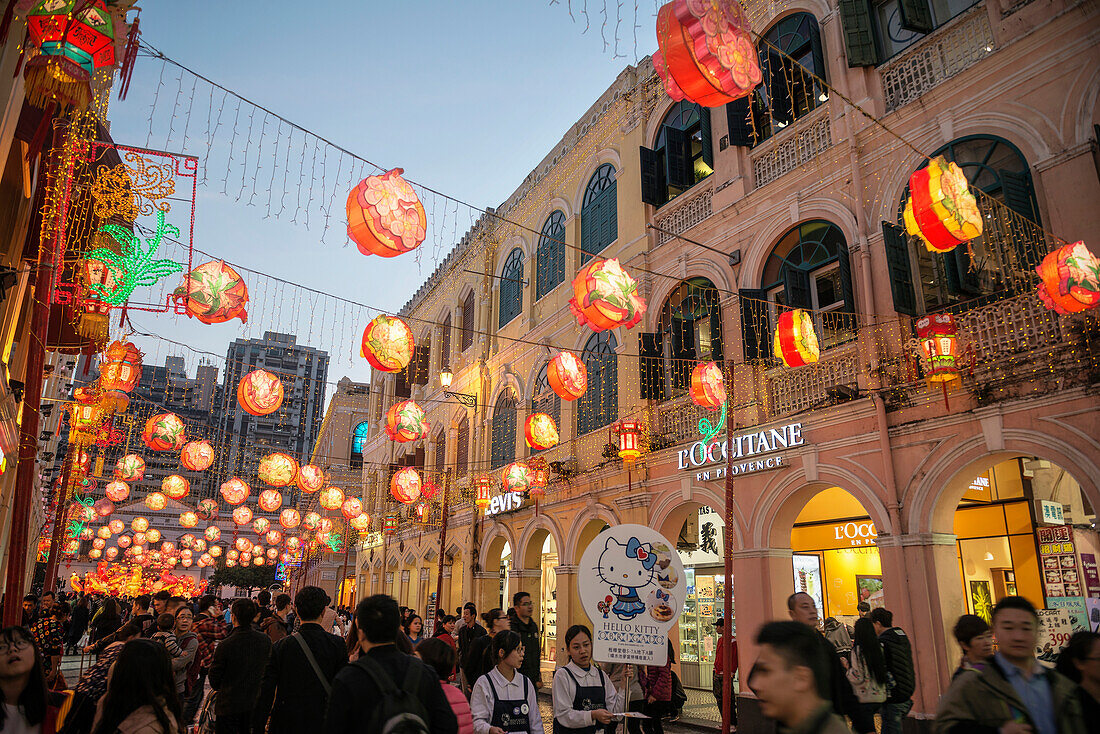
x=570 y=611
x=529 y=580
x=486 y=587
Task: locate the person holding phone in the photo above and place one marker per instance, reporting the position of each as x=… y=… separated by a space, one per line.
x=584 y=696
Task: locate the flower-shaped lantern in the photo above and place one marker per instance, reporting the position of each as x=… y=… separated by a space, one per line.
x=352 y=508
x=361 y=522
x=270 y=500
x=242 y=515
x=405 y=422
x=212 y=534
x=405 y=485
x=1070 y=279
x=260 y=392
x=156 y=501
x=311 y=521
x=385 y=216
x=540 y=431
x=235 y=491
x=310 y=478
x=708 y=387
x=795 y=341
x=331 y=498
x=130 y=468
x=567 y=375
x=940 y=209
x=213 y=293
x=606 y=297
x=117 y=491
x=516 y=477
x=197 y=455
x=164 y=432
x=175 y=486
x=387 y=344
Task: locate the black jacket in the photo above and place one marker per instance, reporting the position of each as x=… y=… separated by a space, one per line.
x=838 y=688
x=466 y=636
x=355 y=695
x=532 y=651
x=291 y=692
x=478 y=661
x=899 y=661
x=237 y=670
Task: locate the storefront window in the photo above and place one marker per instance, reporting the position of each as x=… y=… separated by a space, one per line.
x=505 y=562
x=548 y=599
x=700 y=545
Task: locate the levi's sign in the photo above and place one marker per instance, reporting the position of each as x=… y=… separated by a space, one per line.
x=506 y=502
x=750 y=451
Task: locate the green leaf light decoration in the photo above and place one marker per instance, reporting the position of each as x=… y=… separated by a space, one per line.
x=135 y=266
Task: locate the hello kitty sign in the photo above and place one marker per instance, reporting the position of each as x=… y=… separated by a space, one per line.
x=632 y=587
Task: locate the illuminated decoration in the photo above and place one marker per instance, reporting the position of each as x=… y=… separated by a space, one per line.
x=117 y=491
x=200 y=544
x=540 y=477
x=138 y=186
x=175 y=486
x=81 y=462
x=213 y=293
x=605 y=297
x=104 y=507
x=235 y=491
x=272 y=553
x=232 y=556
x=84 y=420
x=273 y=537
x=705 y=53
x=189 y=519
x=326 y=525
x=293 y=542
x=261 y=525
x=260 y=393
x=99 y=543
x=139 y=524
x=69 y=46
x=242 y=515
x=207 y=510
x=405 y=422
x=483 y=484
x=940 y=209
x=310 y=478
x=119 y=373
x=938 y=339
x=103 y=532
x=311 y=521
x=385 y=216
x=421 y=510
x=139 y=538
x=124 y=541
x=428 y=489
x=242 y=544
x=206 y=559
x=795 y=341
x=215 y=550
x=187 y=541
x=516 y=477
x=130 y=468
x=630 y=431
x=405 y=485
x=278 y=470
x=156 y=501
x=116 y=526
x=331 y=498
x=164 y=432
x=351 y=508
x=289 y=518
x=360 y=523
x=708 y=388
x=152 y=535
x=567 y=375
x=1070 y=279
x=540 y=431
x=270 y=500
x=387 y=344
x=135 y=266
x=389 y=524
x=197 y=455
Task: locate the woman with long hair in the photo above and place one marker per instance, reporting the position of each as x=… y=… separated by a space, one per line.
x=1080 y=662
x=414 y=629
x=104 y=623
x=584 y=696
x=478 y=659
x=27 y=704
x=141 y=693
x=867 y=673
x=503 y=700
x=188 y=643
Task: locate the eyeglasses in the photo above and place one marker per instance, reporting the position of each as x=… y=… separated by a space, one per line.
x=16 y=644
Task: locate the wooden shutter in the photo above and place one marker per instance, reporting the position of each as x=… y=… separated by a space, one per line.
x=678 y=158
x=738 y=117
x=463 y=437
x=896 y=245
x=859 y=37
x=779 y=91
x=704 y=128
x=440 y=455
x=1018 y=194
x=654 y=188
x=915 y=15
x=754 y=323
x=610 y=223
x=590 y=230
x=652 y=368
x=445 y=343
x=847 y=289
x=682 y=336
x=960 y=280
x=467 y=322
x=796 y=287
x=418 y=367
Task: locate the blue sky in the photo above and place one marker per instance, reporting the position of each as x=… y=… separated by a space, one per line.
x=467 y=97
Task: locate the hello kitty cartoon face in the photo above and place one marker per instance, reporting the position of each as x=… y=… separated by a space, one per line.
x=632 y=565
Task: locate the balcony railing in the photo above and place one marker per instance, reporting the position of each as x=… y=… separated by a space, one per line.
x=792 y=391
x=684 y=215
x=789 y=149
x=678 y=420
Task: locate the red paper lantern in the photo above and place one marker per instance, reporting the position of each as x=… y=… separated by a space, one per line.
x=104 y=507
x=119 y=373
x=605 y=297
x=331 y=498
x=156 y=501
x=795 y=340
x=289 y=518
x=175 y=486
x=197 y=455
x=310 y=478
x=139 y=524
x=213 y=293
x=164 y=432
x=260 y=393
x=385 y=216
x=940 y=209
x=630 y=431
x=235 y=491
x=270 y=500
x=705 y=53
x=117 y=491
x=273 y=537
x=311 y=520
x=352 y=507
x=1070 y=279
x=242 y=515
x=567 y=375
x=483 y=485
x=516 y=477
x=387 y=344
x=278 y=469
x=428 y=489
x=938 y=337
x=69 y=41
x=405 y=485
x=540 y=431
x=189 y=519
x=708 y=388
x=405 y=422
x=207 y=510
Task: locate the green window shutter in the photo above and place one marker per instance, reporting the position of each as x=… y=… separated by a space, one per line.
x=847 y=288
x=590 y=231
x=960 y=280
x=683 y=352
x=654 y=188
x=796 y=287
x=859 y=36
x=755 y=338
x=779 y=92
x=611 y=217
x=704 y=127
x=652 y=368
x=739 y=121
x=678 y=158
x=896 y=245
x=1019 y=195
x=916 y=15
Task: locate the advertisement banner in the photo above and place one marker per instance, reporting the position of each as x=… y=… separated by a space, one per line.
x=1058 y=559
x=1075 y=607
x=1055 y=630
x=632 y=586
x=1092 y=575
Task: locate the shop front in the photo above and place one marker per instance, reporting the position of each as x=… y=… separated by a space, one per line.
x=548 y=598
x=700 y=545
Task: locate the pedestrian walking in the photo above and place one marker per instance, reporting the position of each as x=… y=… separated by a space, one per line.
x=718 y=679
x=478 y=658
x=976 y=640
x=803 y=609
x=521 y=622
x=30 y=611
x=141 y=694
x=1080 y=662
x=93 y=684
x=188 y=644
x=657 y=689
x=414 y=629
x=468 y=631
x=866 y=664
x=210 y=629
x=504 y=700
x=49 y=636
x=78 y=623
x=28 y=706
x=237 y=669
x=441 y=657
x=583 y=695
x=104 y=623
x=277 y=625
x=899 y=661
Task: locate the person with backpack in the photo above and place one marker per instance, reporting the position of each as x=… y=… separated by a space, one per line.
x=584 y=696
x=899 y=661
x=385 y=689
x=277 y=626
x=866 y=666
x=504 y=700
x=299 y=674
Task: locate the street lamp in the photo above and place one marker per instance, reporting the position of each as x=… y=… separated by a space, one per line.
x=445 y=379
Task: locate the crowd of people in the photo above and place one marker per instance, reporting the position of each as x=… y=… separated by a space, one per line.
x=276 y=664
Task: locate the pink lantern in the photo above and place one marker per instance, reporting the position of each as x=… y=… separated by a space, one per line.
x=212 y=533
x=289 y=518
x=104 y=507
x=117 y=491
x=331 y=498
x=270 y=500
x=197 y=455
x=242 y=515
x=235 y=491
x=352 y=507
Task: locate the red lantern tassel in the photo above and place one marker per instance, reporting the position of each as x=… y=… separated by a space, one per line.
x=128 y=59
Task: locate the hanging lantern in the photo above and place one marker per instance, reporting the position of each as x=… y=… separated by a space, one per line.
x=175 y=486
x=940 y=209
x=139 y=524
x=605 y=297
x=630 y=432
x=104 y=507
x=260 y=525
x=200 y=544
x=242 y=515
x=124 y=541
x=1070 y=279
x=152 y=535
x=385 y=216
x=270 y=500
x=705 y=53
x=483 y=485
x=387 y=344
x=197 y=455
x=331 y=498
x=207 y=510
x=84 y=420
x=708 y=388
x=139 y=539
x=103 y=532
x=99 y=543
x=278 y=469
x=187 y=541
x=215 y=550
x=938 y=339
x=310 y=478
x=310 y=521
x=235 y=491
x=567 y=375
x=540 y=477
x=272 y=553
x=421 y=511
x=156 y=501
x=130 y=468
x=326 y=526
x=795 y=341
x=389 y=524
x=111 y=553
x=293 y=542
x=540 y=431
x=164 y=432
x=116 y=526
x=242 y=544
x=273 y=537
x=119 y=373
x=117 y=491
x=351 y=508
x=516 y=477
x=232 y=556
x=69 y=41
x=360 y=522
x=81 y=462
x=289 y=518
x=260 y=392
x=405 y=422
x=189 y=519
x=213 y=293
x=405 y=485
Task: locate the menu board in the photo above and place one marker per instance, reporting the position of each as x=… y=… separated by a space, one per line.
x=1061 y=575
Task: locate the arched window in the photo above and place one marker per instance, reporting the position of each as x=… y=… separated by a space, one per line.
x=1005 y=254
x=689 y=331
x=599 y=406
x=599 y=212
x=544 y=399
x=358 y=438
x=504 y=429
x=462 y=438
x=550 y=256
x=682 y=155
x=511 y=287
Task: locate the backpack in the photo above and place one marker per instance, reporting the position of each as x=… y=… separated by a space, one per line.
x=399 y=711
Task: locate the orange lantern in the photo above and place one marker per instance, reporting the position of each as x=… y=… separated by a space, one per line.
x=189 y=519
x=352 y=507
x=516 y=477
x=213 y=293
x=104 y=532
x=164 y=432
x=84 y=419
x=795 y=340
x=156 y=501
x=540 y=431
x=152 y=535
x=104 y=507
x=1070 y=279
x=260 y=393
x=117 y=491
x=235 y=491
x=940 y=209
x=705 y=53
x=200 y=545
x=360 y=522
x=175 y=486
x=483 y=485
x=289 y=518
x=124 y=541
x=938 y=339
x=260 y=525
x=385 y=216
x=387 y=344
x=119 y=373
x=273 y=537
x=242 y=515
x=405 y=485
x=278 y=469
x=187 y=541
x=331 y=498
x=310 y=478
x=215 y=550
x=270 y=500
x=212 y=534
x=207 y=509
x=139 y=524
x=630 y=432
x=293 y=542
x=605 y=297
x=116 y=526
x=326 y=526
x=405 y=422
x=567 y=375
x=311 y=520
x=99 y=543
x=197 y=455
x=130 y=468
x=708 y=388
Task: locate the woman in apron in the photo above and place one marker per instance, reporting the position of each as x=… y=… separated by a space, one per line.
x=503 y=700
x=584 y=695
